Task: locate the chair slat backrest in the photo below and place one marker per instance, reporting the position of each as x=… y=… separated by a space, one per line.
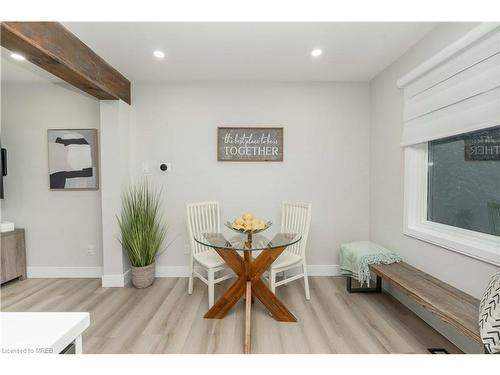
x=296 y=218
x=202 y=217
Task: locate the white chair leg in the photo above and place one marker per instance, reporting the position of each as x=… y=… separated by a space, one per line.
x=190 y=283
x=272 y=280
x=211 y=276
x=306 y=281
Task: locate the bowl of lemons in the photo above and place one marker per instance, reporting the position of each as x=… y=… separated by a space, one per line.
x=248 y=223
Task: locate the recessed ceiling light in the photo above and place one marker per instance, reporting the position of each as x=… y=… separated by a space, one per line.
x=17 y=56
x=159 y=54
x=316 y=52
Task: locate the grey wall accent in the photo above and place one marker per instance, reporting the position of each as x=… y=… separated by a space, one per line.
x=60 y=225
x=177 y=123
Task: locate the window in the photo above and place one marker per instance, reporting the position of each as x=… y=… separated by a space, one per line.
x=452 y=193
x=464 y=181
x=451 y=143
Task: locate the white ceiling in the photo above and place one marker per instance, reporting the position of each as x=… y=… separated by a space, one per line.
x=250 y=51
x=23 y=71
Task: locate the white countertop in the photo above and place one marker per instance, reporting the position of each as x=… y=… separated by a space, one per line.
x=40 y=332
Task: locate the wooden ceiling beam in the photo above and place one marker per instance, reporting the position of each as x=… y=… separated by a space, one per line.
x=55 y=49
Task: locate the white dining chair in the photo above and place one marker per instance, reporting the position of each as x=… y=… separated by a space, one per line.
x=205 y=263
x=295 y=218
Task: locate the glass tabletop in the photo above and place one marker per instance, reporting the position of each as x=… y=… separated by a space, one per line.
x=240 y=242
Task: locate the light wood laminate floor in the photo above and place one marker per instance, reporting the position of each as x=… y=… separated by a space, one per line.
x=165 y=319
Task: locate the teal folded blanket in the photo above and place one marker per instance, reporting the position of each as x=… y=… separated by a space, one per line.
x=356 y=256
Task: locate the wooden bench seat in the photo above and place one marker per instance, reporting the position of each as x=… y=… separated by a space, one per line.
x=453 y=306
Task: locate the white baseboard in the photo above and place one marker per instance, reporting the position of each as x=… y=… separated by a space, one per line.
x=120 y=280
x=323 y=270
x=313 y=270
x=172 y=271
x=63 y=272
x=116 y=280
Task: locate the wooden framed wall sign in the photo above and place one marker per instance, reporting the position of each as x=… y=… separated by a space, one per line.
x=249 y=144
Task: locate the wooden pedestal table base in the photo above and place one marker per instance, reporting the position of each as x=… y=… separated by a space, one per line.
x=249 y=281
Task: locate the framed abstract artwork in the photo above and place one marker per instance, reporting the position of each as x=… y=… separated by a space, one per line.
x=73 y=159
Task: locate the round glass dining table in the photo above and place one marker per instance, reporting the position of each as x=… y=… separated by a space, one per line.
x=249 y=270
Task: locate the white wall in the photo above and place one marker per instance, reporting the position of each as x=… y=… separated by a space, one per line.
x=351 y=171
x=115 y=172
x=326 y=142
x=59 y=224
x=386 y=173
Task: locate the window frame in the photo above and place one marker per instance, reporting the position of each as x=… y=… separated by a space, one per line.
x=482 y=246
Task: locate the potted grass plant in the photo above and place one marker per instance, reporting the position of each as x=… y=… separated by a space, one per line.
x=142 y=231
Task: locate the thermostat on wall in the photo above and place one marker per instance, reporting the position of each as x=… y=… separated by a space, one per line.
x=165 y=167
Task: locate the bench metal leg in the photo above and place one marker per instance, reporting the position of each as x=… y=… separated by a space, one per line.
x=376 y=289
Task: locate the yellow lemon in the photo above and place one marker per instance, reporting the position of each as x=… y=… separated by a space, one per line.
x=247 y=216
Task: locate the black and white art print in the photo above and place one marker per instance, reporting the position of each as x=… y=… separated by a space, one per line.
x=73 y=159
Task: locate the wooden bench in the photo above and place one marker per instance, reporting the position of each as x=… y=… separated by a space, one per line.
x=451 y=305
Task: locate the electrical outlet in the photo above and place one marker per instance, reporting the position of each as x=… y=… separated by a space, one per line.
x=187 y=249
x=90 y=250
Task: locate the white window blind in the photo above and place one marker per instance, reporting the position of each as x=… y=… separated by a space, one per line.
x=459 y=94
